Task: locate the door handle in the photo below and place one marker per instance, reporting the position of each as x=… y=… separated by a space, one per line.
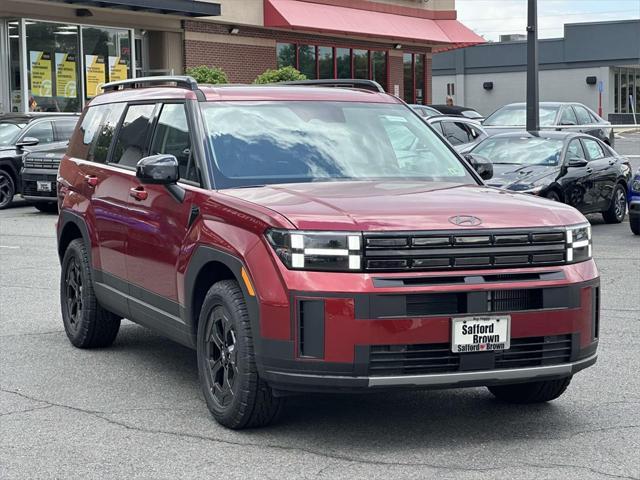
x=91 y=180
x=139 y=193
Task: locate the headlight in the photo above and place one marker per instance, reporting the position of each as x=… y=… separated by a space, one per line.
x=523 y=188
x=635 y=186
x=304 y=250
x=578 y=243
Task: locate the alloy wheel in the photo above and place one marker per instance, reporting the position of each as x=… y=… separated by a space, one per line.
x=74 y=293
x=620 y=204
x=221 y=357
x=6 y=190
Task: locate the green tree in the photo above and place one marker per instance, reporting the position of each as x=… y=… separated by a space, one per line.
x=208 y=75
x=284 y=74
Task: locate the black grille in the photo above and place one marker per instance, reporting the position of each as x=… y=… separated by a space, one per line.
x=513 y=300
x=423 y=251
x=438 y=358
x=39 y=161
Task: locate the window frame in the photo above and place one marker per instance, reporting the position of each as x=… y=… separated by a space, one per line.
x=31 y=125
x=116 y=134
x=578 y=140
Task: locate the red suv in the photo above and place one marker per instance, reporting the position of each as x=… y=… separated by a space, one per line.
x=315 y=239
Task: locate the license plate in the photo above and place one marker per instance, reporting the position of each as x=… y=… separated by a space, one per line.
x=44 y=186
x=481 y=333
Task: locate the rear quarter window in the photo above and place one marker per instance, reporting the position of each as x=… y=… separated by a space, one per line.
x=92 y=139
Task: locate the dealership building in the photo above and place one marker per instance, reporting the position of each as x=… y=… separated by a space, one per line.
x=56 y=54
x=595 y=63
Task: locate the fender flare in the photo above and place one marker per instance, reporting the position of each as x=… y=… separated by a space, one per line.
x=67 y=217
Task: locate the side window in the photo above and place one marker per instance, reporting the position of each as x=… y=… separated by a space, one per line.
x=583 y=116
x=438 y=127
x=64 y=128
x=456 y=133
x=100 y=147
x=132 y=138
x=575 y=150
x=43 y=131
x=568 y=117
x=172 y=137
x=593 y=149
x=83 y=138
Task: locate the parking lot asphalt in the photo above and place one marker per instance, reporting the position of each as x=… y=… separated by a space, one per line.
x=135 y=410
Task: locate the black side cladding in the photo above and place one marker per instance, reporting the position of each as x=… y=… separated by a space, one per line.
x=311 y=328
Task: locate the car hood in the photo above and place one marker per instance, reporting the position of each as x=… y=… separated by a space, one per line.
x=505 y=175
x=375 y=206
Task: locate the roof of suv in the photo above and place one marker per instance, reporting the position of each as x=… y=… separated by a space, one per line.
x=249 y=93
x=17 y=117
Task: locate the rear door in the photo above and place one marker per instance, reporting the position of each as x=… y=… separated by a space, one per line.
x=457 y=133
x=585 y=119
x=158 y=226
x=603 y=173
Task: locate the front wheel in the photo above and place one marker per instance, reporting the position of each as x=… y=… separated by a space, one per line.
x=235 y=394
x=533 y=392
x=618 y=208
x=7 y=189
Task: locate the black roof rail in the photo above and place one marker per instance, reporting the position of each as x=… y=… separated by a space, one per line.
x=339 y=83
x=186 y=82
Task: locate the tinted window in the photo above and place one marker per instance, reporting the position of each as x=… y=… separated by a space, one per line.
x=575 y=150
x=43 y=131
x=256 y=143
x=9 y=132
x=325 y=62
x=100 y=147
x=583 y=116
x=568 y=117
x=438 y=127
x=172 y=137
x=593 y=149
x=343 y=62
x=64 y=128
x=83 y=138
x=456 y=132
x=132 y=138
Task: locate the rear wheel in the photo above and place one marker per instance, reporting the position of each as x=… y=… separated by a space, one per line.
x=533 y=392
x=618 y=208
x=86 y=323
x=235 y=394
x=7 y=189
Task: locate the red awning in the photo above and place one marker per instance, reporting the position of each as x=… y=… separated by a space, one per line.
x=317 y=17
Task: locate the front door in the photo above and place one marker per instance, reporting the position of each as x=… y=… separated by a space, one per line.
x=577 y=183
x=159 y=223
x=603 y=174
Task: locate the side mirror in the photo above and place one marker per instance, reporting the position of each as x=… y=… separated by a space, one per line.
x=27 y=142
x=480 y=164
x=158 y=169
x=577 y=162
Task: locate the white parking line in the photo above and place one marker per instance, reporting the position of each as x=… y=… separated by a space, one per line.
x=12 y=247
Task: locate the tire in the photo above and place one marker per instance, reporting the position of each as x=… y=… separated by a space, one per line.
x=634 y=223
x=46 y=207
x=86 y=323
x=534 y=392
x=618 y=208
x=7 y=189
x=235 y=394
x=552 y=195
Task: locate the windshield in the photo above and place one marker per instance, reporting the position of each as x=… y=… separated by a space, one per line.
x=521 y=150
x=9 y=132
x=258 y=143
x=517 y=116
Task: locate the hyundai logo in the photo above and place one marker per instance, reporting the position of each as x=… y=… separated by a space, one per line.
x=465 y=220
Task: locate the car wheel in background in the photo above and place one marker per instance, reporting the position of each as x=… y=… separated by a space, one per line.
x=7 y=189
x=86 y=323
x=533 y=392
x=235 y=394
x=552 y=195
x=618 y=208
x=46 y=207
x=634 y=223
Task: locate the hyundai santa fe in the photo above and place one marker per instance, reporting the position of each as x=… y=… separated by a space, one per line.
x=305 y=238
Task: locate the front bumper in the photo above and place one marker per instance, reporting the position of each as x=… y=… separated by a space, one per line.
x=30 y=179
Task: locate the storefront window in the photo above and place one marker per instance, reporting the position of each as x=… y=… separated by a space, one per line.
x=379 y=67
x=307 y=61
x=107 y=57
x=360 y=64
x=52 y=64
x=343 y=63
x=419 y=82
x=637 y=91
x=286 y=55
x=325 y=62
x=407 y=60
x=15 y=83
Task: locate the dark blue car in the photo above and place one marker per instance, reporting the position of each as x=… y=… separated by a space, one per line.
x=634 y=203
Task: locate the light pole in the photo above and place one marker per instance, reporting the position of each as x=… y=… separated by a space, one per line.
x=533 y=108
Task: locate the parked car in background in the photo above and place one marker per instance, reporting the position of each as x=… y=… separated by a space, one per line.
x=300 y=244
x=23 y=133
x=39 y=177
x=460 y=132
x=634 y=203
x=552 y=114
x=567 y=167
x=425 y=111
x=458 y=111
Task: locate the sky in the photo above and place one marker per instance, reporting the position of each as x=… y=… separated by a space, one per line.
x=491 y=18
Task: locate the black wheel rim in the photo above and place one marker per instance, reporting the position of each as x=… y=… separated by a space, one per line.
x=6 y=190
x=221 y=356
x=620 y=204
x=73 y=280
